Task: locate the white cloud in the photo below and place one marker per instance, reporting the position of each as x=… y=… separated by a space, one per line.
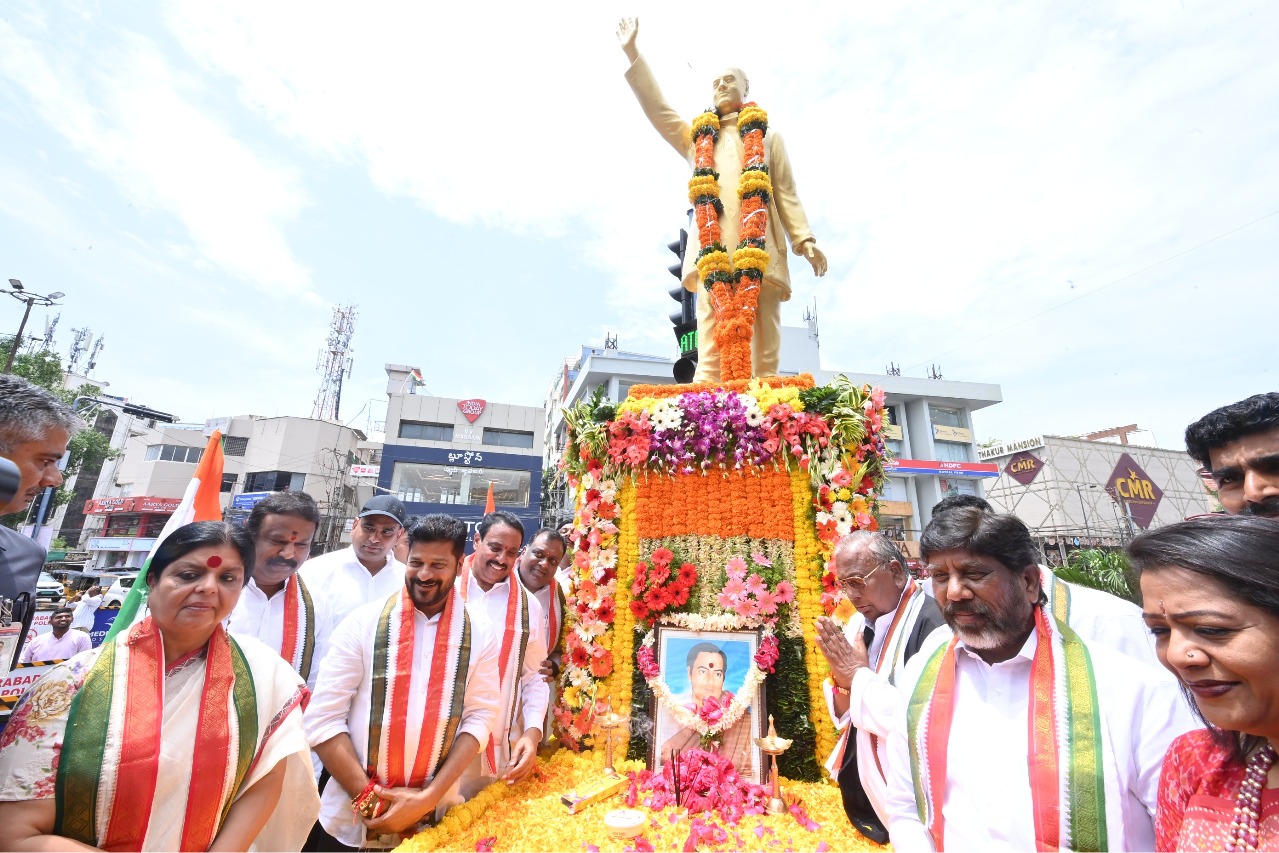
x=150 y=126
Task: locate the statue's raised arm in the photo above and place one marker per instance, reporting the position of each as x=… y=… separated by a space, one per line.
x=744 y=196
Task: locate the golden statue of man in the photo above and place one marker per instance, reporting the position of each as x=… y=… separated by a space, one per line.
x=787 y=223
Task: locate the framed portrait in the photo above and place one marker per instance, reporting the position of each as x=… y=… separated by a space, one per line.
x=705 y=673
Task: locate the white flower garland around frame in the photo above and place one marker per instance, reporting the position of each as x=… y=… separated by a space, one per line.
x=742 y=700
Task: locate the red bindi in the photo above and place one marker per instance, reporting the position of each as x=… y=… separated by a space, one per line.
x=213 y=562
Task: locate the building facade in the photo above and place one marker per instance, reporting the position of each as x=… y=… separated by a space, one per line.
x=930 y=432
x=137 y=492
x=442 y=454
x=1075 y=493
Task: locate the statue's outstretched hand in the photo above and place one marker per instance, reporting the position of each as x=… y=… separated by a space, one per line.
x=816 y=257
x=627 y=30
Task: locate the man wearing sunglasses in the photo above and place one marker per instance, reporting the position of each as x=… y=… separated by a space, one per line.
x=893 y=618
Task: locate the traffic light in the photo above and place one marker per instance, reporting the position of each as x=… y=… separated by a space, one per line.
x=147 y=414
x=685 y=319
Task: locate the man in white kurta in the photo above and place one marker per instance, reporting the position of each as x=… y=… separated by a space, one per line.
x=526 y=695
x=282 y=525
x=343 y=699
x=786 y=218
x=987 y=799
x=365 y=572
x=537 y=568
x=862 y=689
x=86 y=609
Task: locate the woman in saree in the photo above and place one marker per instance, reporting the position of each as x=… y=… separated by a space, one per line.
x=174 y=735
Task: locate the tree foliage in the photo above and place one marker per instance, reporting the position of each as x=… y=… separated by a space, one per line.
x=1107 y=571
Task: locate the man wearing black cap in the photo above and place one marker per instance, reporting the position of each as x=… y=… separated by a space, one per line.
x=367 y=571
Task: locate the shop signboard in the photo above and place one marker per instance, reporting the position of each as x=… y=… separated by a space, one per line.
x=1131 y=487
x=248 y=500
x=472 y=408
x=1024 y=467
x=941 y=467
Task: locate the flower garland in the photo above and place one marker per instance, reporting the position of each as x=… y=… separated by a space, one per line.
x=733 y=286
x=808 y=561
x=619 y=688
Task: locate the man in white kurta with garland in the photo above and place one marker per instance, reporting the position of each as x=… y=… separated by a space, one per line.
x=367 y=571
x=493 y=592
x=406 y=698
x=1018 y=735
x=893 y=620
x=276 y=606
x=785 y=214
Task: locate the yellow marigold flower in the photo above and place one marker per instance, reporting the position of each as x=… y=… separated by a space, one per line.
x=750 y=258
x=714 y=262
x=753 y=181
x=749 y=114
x=844 y=494
x=707 y=119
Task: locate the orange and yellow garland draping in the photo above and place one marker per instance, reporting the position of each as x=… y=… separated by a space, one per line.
x=777 y=467
x=732 y=285
x=530 y=816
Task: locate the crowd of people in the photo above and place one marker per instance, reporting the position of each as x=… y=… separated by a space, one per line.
x=346 y=701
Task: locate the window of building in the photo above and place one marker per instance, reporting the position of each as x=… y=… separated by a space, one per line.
x=228 y=482
x=507 y=438
x=890 y=414
x=173 y=453
x=274 y=481
x=894 y=447
x=950 y=451
x=947 y=417
x=134 y=525
x=447 y=484
x=895 y=489
x=426 y=432
x=956 y=486
x=235 y=445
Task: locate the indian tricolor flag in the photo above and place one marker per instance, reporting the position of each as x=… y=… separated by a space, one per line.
x=200 y=503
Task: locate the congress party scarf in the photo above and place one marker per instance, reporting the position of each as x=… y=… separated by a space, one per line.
x=104 y=797
x=298 y=644
x=1067 y=783
x=388 y=761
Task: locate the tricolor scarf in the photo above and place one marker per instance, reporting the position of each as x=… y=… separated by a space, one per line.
x=108 y=804
x=889 y=654
x=1058 y=593
x=1067 y=782
x=450 y=660
x=298 y=644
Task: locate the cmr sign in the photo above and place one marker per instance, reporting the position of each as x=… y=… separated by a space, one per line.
x=1024 y=467
x=1132 y=488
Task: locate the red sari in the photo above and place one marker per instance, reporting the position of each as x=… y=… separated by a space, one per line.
x=1197 y=790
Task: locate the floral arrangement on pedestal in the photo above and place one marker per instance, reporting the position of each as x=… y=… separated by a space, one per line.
x=751 y=484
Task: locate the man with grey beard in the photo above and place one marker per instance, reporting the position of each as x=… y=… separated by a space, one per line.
x=1019 y=735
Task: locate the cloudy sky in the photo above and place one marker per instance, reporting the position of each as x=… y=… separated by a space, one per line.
x=1078 y=202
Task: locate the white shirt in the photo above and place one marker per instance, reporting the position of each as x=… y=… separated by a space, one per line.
x=261 y=617
x=48 y=647
x=534 y=692
x=987 y=801
x=874 y=704
x=341 y=579
x=343 y=698
x=1099 y=617
x=85 y=608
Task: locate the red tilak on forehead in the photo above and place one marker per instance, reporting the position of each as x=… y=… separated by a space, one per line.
x=293 y=537
x=213 y=562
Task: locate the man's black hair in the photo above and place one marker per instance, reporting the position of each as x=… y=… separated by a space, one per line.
x=438 y=527
x=500 y=516
x=1258 y=413
x=946 y=504
x=282 y=503
x=706 y=647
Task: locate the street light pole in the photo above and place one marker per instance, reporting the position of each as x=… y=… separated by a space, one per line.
x=20 y=293
x=1084 y=510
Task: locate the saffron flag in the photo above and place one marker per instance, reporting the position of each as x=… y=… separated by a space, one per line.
x=199 y=503
x=489 y=505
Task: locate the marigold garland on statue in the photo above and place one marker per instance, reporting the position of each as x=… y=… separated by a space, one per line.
x=733 y=284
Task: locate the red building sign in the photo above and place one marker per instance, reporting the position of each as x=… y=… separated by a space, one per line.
x=107 y=506
x=472 y=409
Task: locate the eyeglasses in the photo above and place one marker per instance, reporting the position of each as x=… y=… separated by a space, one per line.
x=858 y=582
